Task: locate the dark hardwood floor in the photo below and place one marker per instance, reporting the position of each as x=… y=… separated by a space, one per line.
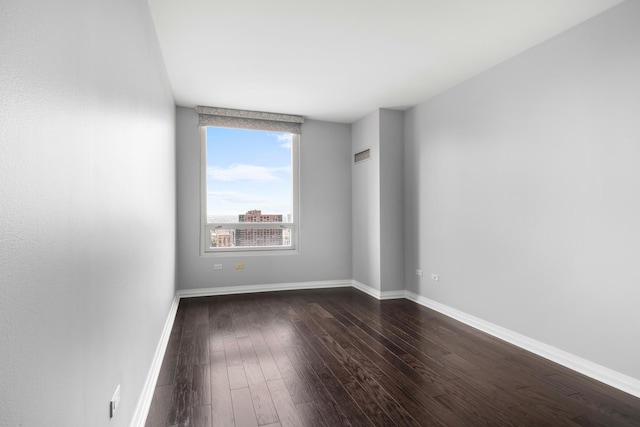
x=339 y=357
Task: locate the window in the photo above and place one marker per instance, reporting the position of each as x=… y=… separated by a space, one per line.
x=249 y=181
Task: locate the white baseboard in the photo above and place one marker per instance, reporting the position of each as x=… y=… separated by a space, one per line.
x=391 y=295
x=142 y=409
x=247 y=289
x=593 y=370
x=366 y=289
x=381 y=295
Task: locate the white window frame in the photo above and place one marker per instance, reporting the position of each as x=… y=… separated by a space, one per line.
x=206 y=227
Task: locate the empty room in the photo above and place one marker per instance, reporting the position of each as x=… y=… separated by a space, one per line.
x=321 y=213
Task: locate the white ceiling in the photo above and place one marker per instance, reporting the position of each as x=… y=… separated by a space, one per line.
x=339 y=60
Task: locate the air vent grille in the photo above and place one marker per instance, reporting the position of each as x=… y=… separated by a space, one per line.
x=361 y=156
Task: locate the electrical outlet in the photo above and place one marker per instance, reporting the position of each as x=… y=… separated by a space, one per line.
x=239 y=266
x=115 y=402
x=435 y=277
x=217 y=266
x=418 y=272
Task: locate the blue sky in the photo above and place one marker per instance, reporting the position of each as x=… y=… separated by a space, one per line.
x=247 y=170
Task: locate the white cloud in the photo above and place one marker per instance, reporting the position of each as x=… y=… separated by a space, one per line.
x=285 y=138
x=241 y=172
x=231 y=203
x=233 y=196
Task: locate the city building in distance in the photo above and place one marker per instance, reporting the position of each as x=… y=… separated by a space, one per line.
x=227 y=237
x=259 y=237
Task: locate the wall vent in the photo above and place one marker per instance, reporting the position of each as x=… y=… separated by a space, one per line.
x=361 y=156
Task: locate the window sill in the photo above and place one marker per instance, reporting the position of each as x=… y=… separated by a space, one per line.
x=258 y=252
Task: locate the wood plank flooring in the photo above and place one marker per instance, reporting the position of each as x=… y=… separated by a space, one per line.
x=338 y=357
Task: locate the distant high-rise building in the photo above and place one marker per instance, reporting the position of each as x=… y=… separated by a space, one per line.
x=259 y=237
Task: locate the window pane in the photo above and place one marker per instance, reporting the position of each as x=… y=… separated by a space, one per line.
x=248 y=176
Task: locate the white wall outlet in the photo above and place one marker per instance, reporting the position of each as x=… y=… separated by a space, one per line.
x=435 y=277
x=418 y=272
x=115 y=402
x=217 y=266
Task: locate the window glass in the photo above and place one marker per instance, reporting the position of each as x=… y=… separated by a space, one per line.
x=249 y=189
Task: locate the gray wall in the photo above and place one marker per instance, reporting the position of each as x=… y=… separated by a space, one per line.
x=378 y=208
x=365 y=183
x=87 y=208
x=392 y=200
x=325 y=214
x=522 y=192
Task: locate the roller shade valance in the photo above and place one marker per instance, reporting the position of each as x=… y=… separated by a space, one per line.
x=256 y=120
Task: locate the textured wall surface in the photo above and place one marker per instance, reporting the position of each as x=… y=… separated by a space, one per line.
x=325 y=214
x=87 y=208
x=522 y=187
